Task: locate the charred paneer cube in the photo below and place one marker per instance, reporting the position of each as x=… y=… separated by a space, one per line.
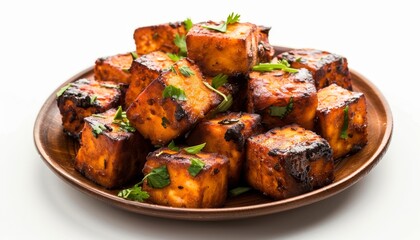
x=158 y=38
x=226 y=134
x=144 y=70
x=111 y=153
x=326 y=67
x=288 y=161
x=230 y=53
x=172 y=103
x=186 y=180
x=83 y=98
x=266 y=51
x=114 y=68
x=282 y=98
x=341 y=119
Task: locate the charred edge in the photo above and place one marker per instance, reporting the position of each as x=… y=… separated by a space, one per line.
x=234 y=134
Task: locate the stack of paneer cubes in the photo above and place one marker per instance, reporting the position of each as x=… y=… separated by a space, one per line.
x=201 y=109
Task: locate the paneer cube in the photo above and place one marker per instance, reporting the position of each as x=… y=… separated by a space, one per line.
x=342 y=119
x=266 y=51
x=158 y=37
x=283 y=98
x=83 y=98
x=232 y=53
x=114 y=68
x=285 y=162
x=326 y=67
x=110 y=154
x=144 y=70
x=193 y=180
x=172 y=103
x=226 y=134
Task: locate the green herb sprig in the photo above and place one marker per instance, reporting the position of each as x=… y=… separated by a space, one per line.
x=171 y=91
x=280 y=65
x=196 y=166
x=282 y=112
x=134 y=193
x=121 y=119
x=232 y=18
x=219 y=80
x=344 y=128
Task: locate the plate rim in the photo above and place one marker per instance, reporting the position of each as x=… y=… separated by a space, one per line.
x=215 y=214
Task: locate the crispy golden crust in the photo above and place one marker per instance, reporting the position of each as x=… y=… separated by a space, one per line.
x=113 y=157
x=231 y=53
x=268 y=91
x=288 y=161
x=162 y=119
x=83 y=98
x=158 y=38
x=326 y=67
x=226 y=134
x=113 y=68
x=330 y=119
x=207 y=189
x=144 y=70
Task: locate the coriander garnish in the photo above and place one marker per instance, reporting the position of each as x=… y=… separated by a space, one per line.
x=217 y=91
x=280 y=65
x=219 y=80
x=195 y=149
x=186 y=71
x=158 y=177
x=232 y=18
x=345 y=126
x=281 y=112
x=238 y=191
x=174 y=92
x=121 y=119
x=174 y=57
x=172 y=146
x=97 y=129
x=62 y=90
x=181 y=44
x=188 y=24
x=196 y=166
x=134 y=193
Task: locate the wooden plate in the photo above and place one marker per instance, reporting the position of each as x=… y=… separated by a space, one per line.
x=58 y=152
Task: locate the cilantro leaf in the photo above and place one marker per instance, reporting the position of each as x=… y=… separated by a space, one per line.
x=196 y=166
x=195 y=149
x=97 y=129
x=172 y=146
x=345 y=126
x=158 y=177
x=174 y=57
x=174 y=92
x=232 y=18
x=188 y=24
x=181 y=44
x=186 y=71
x=120 y=118
x=134 y=193
x=281 y=112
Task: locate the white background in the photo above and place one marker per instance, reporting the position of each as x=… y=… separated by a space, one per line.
x=44 y=43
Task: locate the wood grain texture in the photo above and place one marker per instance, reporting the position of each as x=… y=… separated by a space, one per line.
x=58 y=151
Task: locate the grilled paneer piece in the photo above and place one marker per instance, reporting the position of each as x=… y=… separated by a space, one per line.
x=326 y=67
x=186 y=180
x=172 y=103
x=83 y=98
x=158 y=37
x=111 y=153
x=144 y=70
x=288 y=161
x=113 y=68
x=282 y=98
x=226 y=134
x=231 y=53
x=265 y=50
x=341 y=118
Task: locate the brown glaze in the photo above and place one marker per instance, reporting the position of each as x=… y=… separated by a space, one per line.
x=57 y=151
